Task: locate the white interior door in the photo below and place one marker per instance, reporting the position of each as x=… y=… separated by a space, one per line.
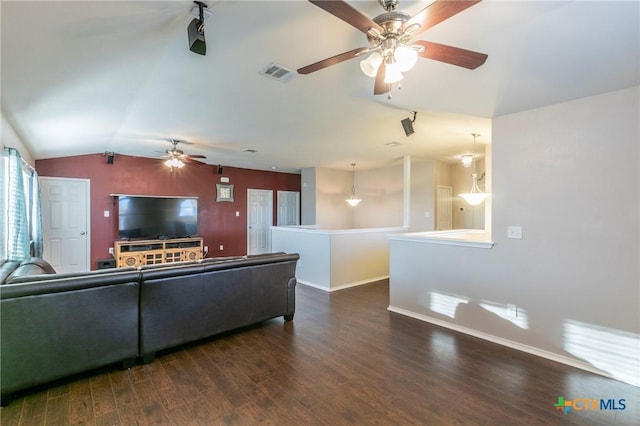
x=65 y=223
x=259 y=220
x=444 y=206
x=288 y=208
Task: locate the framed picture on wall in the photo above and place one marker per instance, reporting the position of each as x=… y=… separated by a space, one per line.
x=224 y=192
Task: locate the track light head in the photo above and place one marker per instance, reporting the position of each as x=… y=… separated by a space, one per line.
x=195 y=31
x=407 y=124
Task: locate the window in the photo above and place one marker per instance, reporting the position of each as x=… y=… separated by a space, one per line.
x=19 y=208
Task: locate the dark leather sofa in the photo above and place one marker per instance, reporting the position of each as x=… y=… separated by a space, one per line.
x=189 y=302
x=56 y=325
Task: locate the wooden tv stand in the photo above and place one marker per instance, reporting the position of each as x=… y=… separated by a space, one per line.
x=150 y=252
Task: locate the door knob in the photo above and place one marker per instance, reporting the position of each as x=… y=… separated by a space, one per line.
x=82 y=233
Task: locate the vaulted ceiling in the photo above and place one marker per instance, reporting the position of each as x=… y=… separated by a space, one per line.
x=96 y=76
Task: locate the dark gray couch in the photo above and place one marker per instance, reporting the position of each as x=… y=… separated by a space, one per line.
x=57 y=325
x=53 y=326
x=186 y=303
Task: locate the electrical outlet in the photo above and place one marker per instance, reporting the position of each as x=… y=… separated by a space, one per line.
x=111 y=251
x=221 y=247
x=206 y=249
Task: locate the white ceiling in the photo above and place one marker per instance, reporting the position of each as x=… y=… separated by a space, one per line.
x=89 y=77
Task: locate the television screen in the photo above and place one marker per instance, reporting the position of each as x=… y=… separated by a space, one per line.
x=157 y=217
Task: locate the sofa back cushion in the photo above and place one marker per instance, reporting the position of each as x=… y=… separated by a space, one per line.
x=29 y=267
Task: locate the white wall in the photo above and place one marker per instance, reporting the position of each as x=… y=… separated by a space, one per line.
x=324 y=192
x=314 y=248
x=332 y=188
x=422 y=198
x=333 y=260
x=10 y=139
x=381 y=191
x=568 y=174
x=308 y=196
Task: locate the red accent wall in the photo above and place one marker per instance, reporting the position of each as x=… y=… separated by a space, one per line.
x=217 y=221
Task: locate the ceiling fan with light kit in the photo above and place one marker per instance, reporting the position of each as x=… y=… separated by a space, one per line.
x=176 y=158
x=392 y=52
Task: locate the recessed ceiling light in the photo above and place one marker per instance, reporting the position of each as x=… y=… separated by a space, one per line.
x=392 y=144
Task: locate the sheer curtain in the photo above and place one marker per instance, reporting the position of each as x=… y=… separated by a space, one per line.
x=20 y=203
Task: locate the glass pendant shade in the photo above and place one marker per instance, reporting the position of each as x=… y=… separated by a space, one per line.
x=467 y=159
x=476 y=196
x=353 y=201
x=370 y=65
x=392 y=74
x=174 y=162
x=405 y=57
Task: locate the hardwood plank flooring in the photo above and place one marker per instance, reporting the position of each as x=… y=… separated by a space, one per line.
x=343 y=360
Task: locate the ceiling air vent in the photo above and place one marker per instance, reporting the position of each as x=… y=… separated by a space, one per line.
x=278 y=72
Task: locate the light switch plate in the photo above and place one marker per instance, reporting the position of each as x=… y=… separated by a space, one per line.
x=514 y=232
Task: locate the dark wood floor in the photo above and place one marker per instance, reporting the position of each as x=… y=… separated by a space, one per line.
x=343 y=360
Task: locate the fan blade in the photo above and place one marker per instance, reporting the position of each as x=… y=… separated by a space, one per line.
x=196 y=156
x=332 y=60
x=380 y=87
x=437 y=12
x=348 y=14
x=451 y=55
x=190 y=160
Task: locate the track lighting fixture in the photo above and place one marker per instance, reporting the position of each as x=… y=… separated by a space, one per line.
x=195 y=31
x=407 y=124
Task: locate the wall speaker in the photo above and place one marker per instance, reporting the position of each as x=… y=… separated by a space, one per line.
x=110 y=156
x=195 y=30
x=407 y=125
x=106 y=263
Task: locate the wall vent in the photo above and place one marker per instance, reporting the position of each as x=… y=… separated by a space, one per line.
x=278 y=72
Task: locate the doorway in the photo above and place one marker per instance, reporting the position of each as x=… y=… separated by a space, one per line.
x=259 y=220
x=65 y=223
x=288 y=208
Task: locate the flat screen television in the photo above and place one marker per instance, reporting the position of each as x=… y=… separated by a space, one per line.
x=142 y=217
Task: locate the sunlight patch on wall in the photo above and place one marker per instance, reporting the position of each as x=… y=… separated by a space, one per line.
x=519 y=317
x=445 y=304
x=614 y=351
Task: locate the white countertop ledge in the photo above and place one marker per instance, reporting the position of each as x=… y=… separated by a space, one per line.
x=459 y=237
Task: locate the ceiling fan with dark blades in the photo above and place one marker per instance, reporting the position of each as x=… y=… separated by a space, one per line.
x=176 y=158
x=390 y=34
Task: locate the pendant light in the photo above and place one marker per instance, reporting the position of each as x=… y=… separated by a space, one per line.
x=353 y=200
x=475 y=196
x=466 y=160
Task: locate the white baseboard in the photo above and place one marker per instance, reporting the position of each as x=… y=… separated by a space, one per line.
x=343 y=286
x=314 y=285
x=505 y=342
